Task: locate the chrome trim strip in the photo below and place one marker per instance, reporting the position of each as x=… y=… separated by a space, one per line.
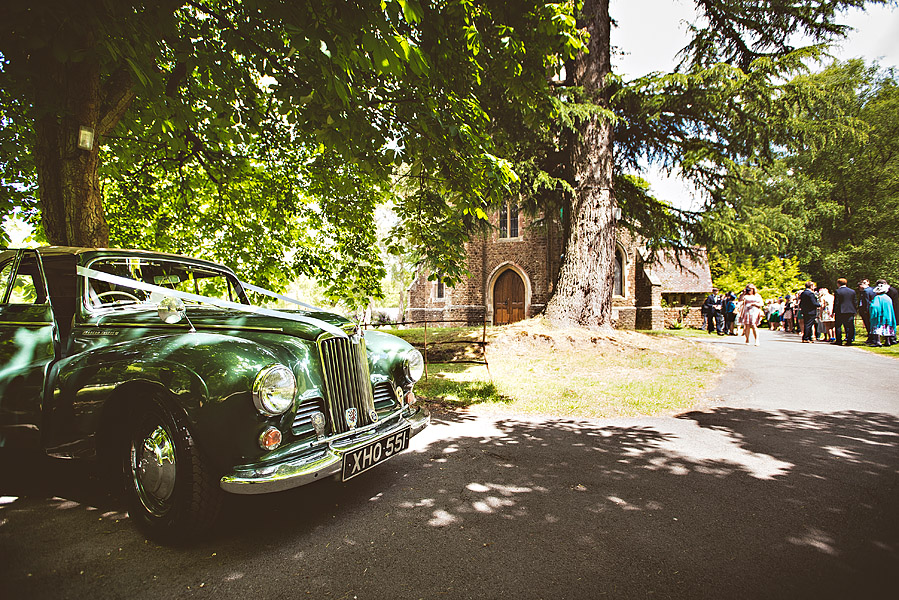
x=177 y=328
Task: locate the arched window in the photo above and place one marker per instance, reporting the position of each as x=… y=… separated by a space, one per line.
x=618 y=282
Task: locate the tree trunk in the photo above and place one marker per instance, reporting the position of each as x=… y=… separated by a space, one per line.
x=584 y=292
x=67 y=97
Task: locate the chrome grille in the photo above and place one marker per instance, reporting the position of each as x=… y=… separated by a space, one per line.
x=347 y=382
x=384 y=396
x=302 y=421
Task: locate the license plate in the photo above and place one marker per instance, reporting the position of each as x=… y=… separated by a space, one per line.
x=364 y=458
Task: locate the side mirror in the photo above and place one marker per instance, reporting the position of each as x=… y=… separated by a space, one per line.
x=171 y=310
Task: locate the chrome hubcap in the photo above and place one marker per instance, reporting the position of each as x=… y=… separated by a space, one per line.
x=153 y=468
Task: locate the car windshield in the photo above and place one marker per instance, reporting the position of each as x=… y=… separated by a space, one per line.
x=184 y=277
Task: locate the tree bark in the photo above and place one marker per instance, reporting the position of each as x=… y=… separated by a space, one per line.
x=69 y=95
x=583 y=295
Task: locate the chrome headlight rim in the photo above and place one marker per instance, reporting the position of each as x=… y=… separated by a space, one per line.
x=271 y=405
x=413 y=365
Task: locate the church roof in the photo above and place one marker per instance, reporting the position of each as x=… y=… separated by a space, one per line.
x=681 y=274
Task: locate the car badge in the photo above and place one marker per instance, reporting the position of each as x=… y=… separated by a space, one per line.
x=351 y=415
x=373 y=415
x=318 y=423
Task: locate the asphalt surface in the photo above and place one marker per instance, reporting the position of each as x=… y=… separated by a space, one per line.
x=784 y=486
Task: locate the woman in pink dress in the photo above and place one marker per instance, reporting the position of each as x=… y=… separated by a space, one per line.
x=751 y=312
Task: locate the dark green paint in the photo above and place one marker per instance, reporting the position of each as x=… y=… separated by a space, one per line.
x=125 y=355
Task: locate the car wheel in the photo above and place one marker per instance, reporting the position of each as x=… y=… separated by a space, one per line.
x=171 y=492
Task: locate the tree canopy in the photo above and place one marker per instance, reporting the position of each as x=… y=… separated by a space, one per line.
x=264 y=132
x=833 y=201
x=261 y=131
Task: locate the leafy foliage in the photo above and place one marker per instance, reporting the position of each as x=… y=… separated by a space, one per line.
x=267 y=131
x=263 y=133
x=833 y=201
x=772 y=276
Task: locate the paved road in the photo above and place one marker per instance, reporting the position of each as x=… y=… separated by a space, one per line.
x=784 y=487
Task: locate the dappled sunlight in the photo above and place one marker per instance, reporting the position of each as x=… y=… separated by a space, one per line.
x=466 y=374
x=817 y=539
x=788 y=504
x=703 y=447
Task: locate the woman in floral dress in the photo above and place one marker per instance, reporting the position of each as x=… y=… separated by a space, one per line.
x=883 y=319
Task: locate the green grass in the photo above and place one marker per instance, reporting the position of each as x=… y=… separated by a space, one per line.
x=459 y=385
x=892 y=351
x=685 y=332
x=435 y=335
x=579 y=382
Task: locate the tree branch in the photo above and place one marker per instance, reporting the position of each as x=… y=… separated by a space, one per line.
x=118 y=93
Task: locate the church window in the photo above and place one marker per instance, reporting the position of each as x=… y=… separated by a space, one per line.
x=508 y=220
x=618 y=282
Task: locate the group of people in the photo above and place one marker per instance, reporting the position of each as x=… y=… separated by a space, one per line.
x=816 y=313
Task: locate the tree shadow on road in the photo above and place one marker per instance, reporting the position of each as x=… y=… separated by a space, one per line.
x=729 y=503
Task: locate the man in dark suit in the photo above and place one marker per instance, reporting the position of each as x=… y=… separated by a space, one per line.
x=865 y=295
x=712 y=306
x=844 y=312
x=808 y=306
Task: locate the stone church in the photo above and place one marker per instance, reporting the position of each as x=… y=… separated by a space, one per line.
x=515 y=265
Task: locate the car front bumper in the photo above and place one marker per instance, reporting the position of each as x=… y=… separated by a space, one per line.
x=319 y=463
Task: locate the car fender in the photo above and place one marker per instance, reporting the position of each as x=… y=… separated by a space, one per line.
x=214 y=394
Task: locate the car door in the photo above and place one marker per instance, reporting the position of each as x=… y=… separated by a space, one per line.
x=26 y=346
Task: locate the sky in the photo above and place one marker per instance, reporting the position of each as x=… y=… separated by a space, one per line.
x=651 y=32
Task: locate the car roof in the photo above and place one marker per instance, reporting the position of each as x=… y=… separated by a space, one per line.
x=58 y=251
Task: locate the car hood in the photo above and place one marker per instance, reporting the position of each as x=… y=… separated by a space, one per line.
x=220 y=320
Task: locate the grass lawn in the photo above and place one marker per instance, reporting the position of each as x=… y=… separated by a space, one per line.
x=685 y=332
x=891 y=351
x=534 y=369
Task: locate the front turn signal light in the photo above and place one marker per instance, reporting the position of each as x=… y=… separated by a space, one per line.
x=270 y=438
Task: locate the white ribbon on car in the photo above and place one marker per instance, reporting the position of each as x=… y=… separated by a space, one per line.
x=247 y=308
x=265 y=292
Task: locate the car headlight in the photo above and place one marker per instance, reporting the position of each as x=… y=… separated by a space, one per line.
x=274 y=390
x=414 y=365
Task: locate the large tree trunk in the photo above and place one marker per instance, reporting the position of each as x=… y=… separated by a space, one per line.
x=71 y=204
x=583 y=295
x=67 y=95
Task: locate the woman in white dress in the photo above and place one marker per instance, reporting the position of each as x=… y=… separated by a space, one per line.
x=828 y=322
x=751 y=312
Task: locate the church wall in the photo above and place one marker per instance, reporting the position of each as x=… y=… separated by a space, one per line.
x=536 y=255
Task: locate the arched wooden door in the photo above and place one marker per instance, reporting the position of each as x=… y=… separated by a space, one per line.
x=508 y=298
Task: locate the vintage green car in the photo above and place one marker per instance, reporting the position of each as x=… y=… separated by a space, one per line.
x=160 y=367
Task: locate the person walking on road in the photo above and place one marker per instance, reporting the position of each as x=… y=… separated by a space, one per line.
x=808 y=306
x=751 y=312
x=844 y=313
